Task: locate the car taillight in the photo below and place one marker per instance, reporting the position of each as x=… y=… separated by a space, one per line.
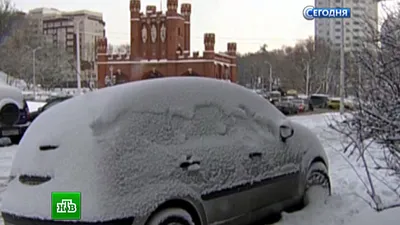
x=27 y=112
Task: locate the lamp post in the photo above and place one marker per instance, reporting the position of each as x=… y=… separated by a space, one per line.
x=270 y=75
x=78 y=57
x=342 y=65
x=34 y=70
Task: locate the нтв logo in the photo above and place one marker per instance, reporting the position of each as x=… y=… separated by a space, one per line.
x=66 y=205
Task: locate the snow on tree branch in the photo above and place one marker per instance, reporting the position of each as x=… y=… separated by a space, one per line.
x=372 y=130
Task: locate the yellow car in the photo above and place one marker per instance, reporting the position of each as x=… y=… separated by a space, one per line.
x=334 y=103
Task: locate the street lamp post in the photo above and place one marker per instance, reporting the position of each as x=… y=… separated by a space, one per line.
x=78 y=58
x=34 y=70
x=270 y=75
x=342 y=66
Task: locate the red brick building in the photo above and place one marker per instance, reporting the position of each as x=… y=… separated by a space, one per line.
x=160 y=47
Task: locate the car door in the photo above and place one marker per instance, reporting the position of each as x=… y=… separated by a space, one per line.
x=275 y=172
x=213 y=163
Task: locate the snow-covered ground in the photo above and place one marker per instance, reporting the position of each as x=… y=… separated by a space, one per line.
x=344 y=207
x=34 y=106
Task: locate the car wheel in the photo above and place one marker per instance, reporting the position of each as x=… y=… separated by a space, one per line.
x=16 y=139
x=317 y=184
x=171 y=216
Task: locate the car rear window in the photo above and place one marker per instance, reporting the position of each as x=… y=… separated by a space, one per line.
x=318 y=99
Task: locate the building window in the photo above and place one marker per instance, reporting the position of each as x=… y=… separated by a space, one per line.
x=356 y=23
x=179 y=31
x=337 y=22
x=337 y=1
x=356 y=1
x=337 y=30
x=356 y=37
x=347 y=38
x=356 y=30
x=337 y=37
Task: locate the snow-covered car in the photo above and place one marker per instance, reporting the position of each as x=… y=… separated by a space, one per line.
x=182 y=151
x=14 y=113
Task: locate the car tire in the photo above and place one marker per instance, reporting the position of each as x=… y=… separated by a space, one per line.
x=171 y=216
x=317 y=176
x=16 y=139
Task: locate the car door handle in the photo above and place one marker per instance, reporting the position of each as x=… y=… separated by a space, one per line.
x=187 y=164
x=255 y=155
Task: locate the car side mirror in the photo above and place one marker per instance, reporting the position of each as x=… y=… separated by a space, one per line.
x=40 y=109
x=285 y=132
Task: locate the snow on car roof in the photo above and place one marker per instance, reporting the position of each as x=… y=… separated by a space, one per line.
x=109 y=143
x=9 y=93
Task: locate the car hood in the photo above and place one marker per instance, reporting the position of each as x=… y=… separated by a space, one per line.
x=74 y=143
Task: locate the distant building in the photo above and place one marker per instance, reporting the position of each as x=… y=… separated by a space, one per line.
x=363 y=22
x=60 y=28
x=160 y=47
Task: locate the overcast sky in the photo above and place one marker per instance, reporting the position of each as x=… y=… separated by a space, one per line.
x=275 y=23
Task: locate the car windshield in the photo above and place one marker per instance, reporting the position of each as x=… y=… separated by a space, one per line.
x=51 y=104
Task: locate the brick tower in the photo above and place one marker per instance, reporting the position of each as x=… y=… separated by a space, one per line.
x=135 y=29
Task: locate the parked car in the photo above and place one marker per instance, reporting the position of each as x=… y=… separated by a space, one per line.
x=334 y=103
x=303 y=105
x=319 y=100
x=274 y=97
x=49 y=103
x=287 y=107
x=179 y=150
x=14 y=113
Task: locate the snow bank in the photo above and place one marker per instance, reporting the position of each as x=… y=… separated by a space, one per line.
x=34 y=106
x=117 y=145
x=346 y=206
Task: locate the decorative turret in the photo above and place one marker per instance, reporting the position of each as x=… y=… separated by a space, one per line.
x=172 y=5
x=151 y=9
x=102 y=46
x=232 y=49
x=209 y=41
x=135 y=6
x=186 y=10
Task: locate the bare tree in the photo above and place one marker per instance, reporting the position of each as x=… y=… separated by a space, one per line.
x=371 y=131
x=7 y=18
x=122 y=49
x=16 y=56
x=54 y=67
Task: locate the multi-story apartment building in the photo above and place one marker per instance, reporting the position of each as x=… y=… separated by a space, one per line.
x=362 y=24
x=61 y=28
